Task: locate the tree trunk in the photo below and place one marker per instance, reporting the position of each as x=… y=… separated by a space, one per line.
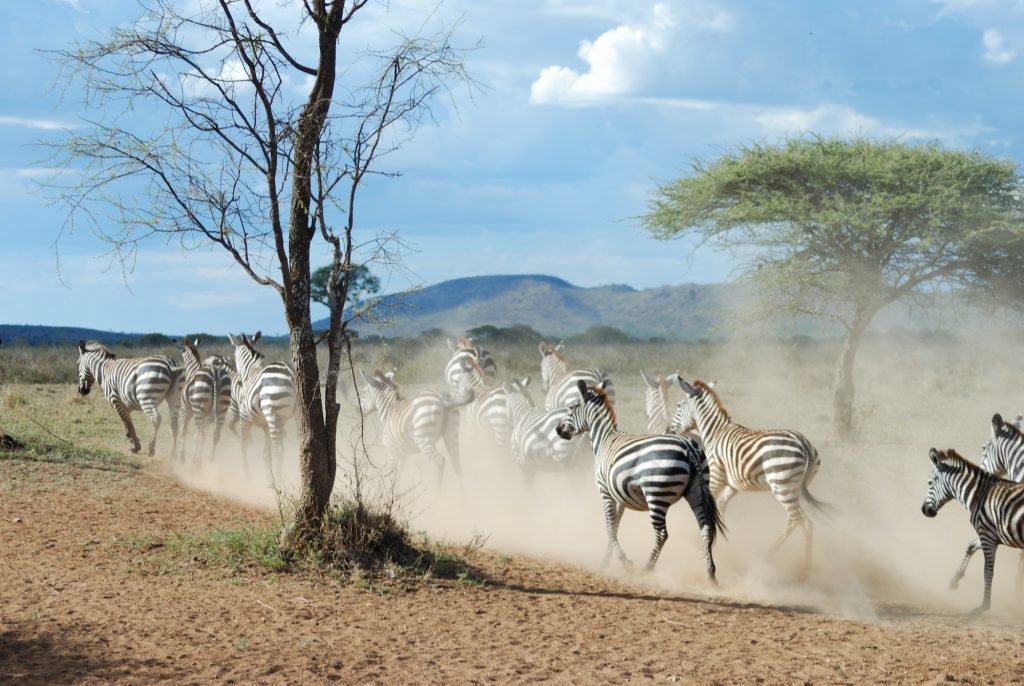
x=843 y=392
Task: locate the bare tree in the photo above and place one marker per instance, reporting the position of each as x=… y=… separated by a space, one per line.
x=228 y=128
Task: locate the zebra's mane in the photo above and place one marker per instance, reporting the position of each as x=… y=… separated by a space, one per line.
x=601 y=395
x=710 y=392
x=97 y=347
x=952 y=461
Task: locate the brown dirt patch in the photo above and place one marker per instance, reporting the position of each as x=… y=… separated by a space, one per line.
x=86 y=600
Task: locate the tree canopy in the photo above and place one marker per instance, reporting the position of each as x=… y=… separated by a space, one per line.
x=841 y=228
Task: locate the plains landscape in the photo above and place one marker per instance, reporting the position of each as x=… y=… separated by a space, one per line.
x=129 y=569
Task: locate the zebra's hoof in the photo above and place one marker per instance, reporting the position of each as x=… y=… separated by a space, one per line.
x=954 y=584
x=136 y=449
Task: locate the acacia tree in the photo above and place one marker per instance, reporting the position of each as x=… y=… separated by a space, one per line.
x=359 y=282
x=842 y=228
x=225 y=128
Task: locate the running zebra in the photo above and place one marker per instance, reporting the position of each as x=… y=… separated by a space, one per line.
x=536 y=444
x=996 y=507
x=132 y=384
x=205 y=396
x=465 y=349
x=265 y=396
x=559 y=384
x=415 y=424
x=642 y=473
x=489 y=407
x=742 y=459
x=657 y=403
x=1003 y=455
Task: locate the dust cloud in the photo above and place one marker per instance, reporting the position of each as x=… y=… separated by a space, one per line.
x=875 y=557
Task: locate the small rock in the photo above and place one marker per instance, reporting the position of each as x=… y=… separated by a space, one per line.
x=16 y=520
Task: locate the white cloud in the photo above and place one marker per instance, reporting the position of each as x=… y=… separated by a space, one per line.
x=621 y=60
x=996 y=50
x=43 y=124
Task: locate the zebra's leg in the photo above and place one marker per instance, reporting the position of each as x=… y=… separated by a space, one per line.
x=788 y=495
x=129 y=428
x=660 y=533
x=427 y=448
x=217 y=427
x=972 y=548
x=723 y=498
x=185 y=416
x=267 y=459
x=450 y=436
x=1020 y=572
x=153 y=412
x=173 y=406
x=200 y=437
x=246 y=432
x=988 y=547
x=612 y=516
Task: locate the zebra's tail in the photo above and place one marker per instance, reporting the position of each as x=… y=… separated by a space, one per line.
x=824 y=508
x=712 y=515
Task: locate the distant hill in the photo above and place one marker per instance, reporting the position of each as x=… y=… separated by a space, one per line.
x=59 y=335
x=558 y=308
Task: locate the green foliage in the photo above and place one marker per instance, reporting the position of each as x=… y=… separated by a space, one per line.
x=828 y=225
x=517 y=333
x=361 y=283
x=602 y=335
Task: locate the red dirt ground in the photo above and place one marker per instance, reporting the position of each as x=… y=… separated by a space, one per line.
x=85 y=602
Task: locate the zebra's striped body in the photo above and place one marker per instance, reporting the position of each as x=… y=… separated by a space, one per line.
x=417 y=424
x=205 y=396
x=462 y=351
x=996 y=506
x=265 y=395
x=658 y=405
x=642 y=473
x=1002 y=455
x=742 y=459
x=536 y=445
x=560 y=384
x=132 y=384
x=489 y=406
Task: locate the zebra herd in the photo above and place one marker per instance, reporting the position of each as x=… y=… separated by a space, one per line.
x=691 y=451
x=204 y=390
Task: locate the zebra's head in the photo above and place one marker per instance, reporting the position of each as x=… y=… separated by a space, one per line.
x=516 y=389
x=685 y=417
x=940 y=488
x=90 y=356
x=1001 y=445
x=247 y=357
x=583 y=412
x=190 y=353
x=379 y=391
x=551 y=363
x=656 y=400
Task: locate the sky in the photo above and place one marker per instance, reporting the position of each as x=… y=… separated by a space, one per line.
x=582 y=108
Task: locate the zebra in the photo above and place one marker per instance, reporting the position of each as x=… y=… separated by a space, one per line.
x=264 y=395
x=205 y=395
x=743 y=459
x=996 y=507
x=657 y=403
x=1003 y=454
x=415 y=424
x=642 y=473
x=489 y=406
x=536 y=444
x=559 y=384
x=463 y=349
x=131 y=384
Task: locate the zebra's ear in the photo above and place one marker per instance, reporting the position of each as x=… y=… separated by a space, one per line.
x=543 y=347
x=605 y=383
x=256 y=336
x=81 y=345
x=690 y=390
x=524 y=382
x=450 y=342
x=712 y=384
x=197 y=342
x=647 y=380
x=934 y=456
x=581 y=385
x=560 y=347
x=997 y=422
x=231 y=340
x=672 y=377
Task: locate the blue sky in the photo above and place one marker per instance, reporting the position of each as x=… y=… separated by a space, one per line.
x=584 y=107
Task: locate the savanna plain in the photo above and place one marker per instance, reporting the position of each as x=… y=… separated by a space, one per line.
x=129 y=569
